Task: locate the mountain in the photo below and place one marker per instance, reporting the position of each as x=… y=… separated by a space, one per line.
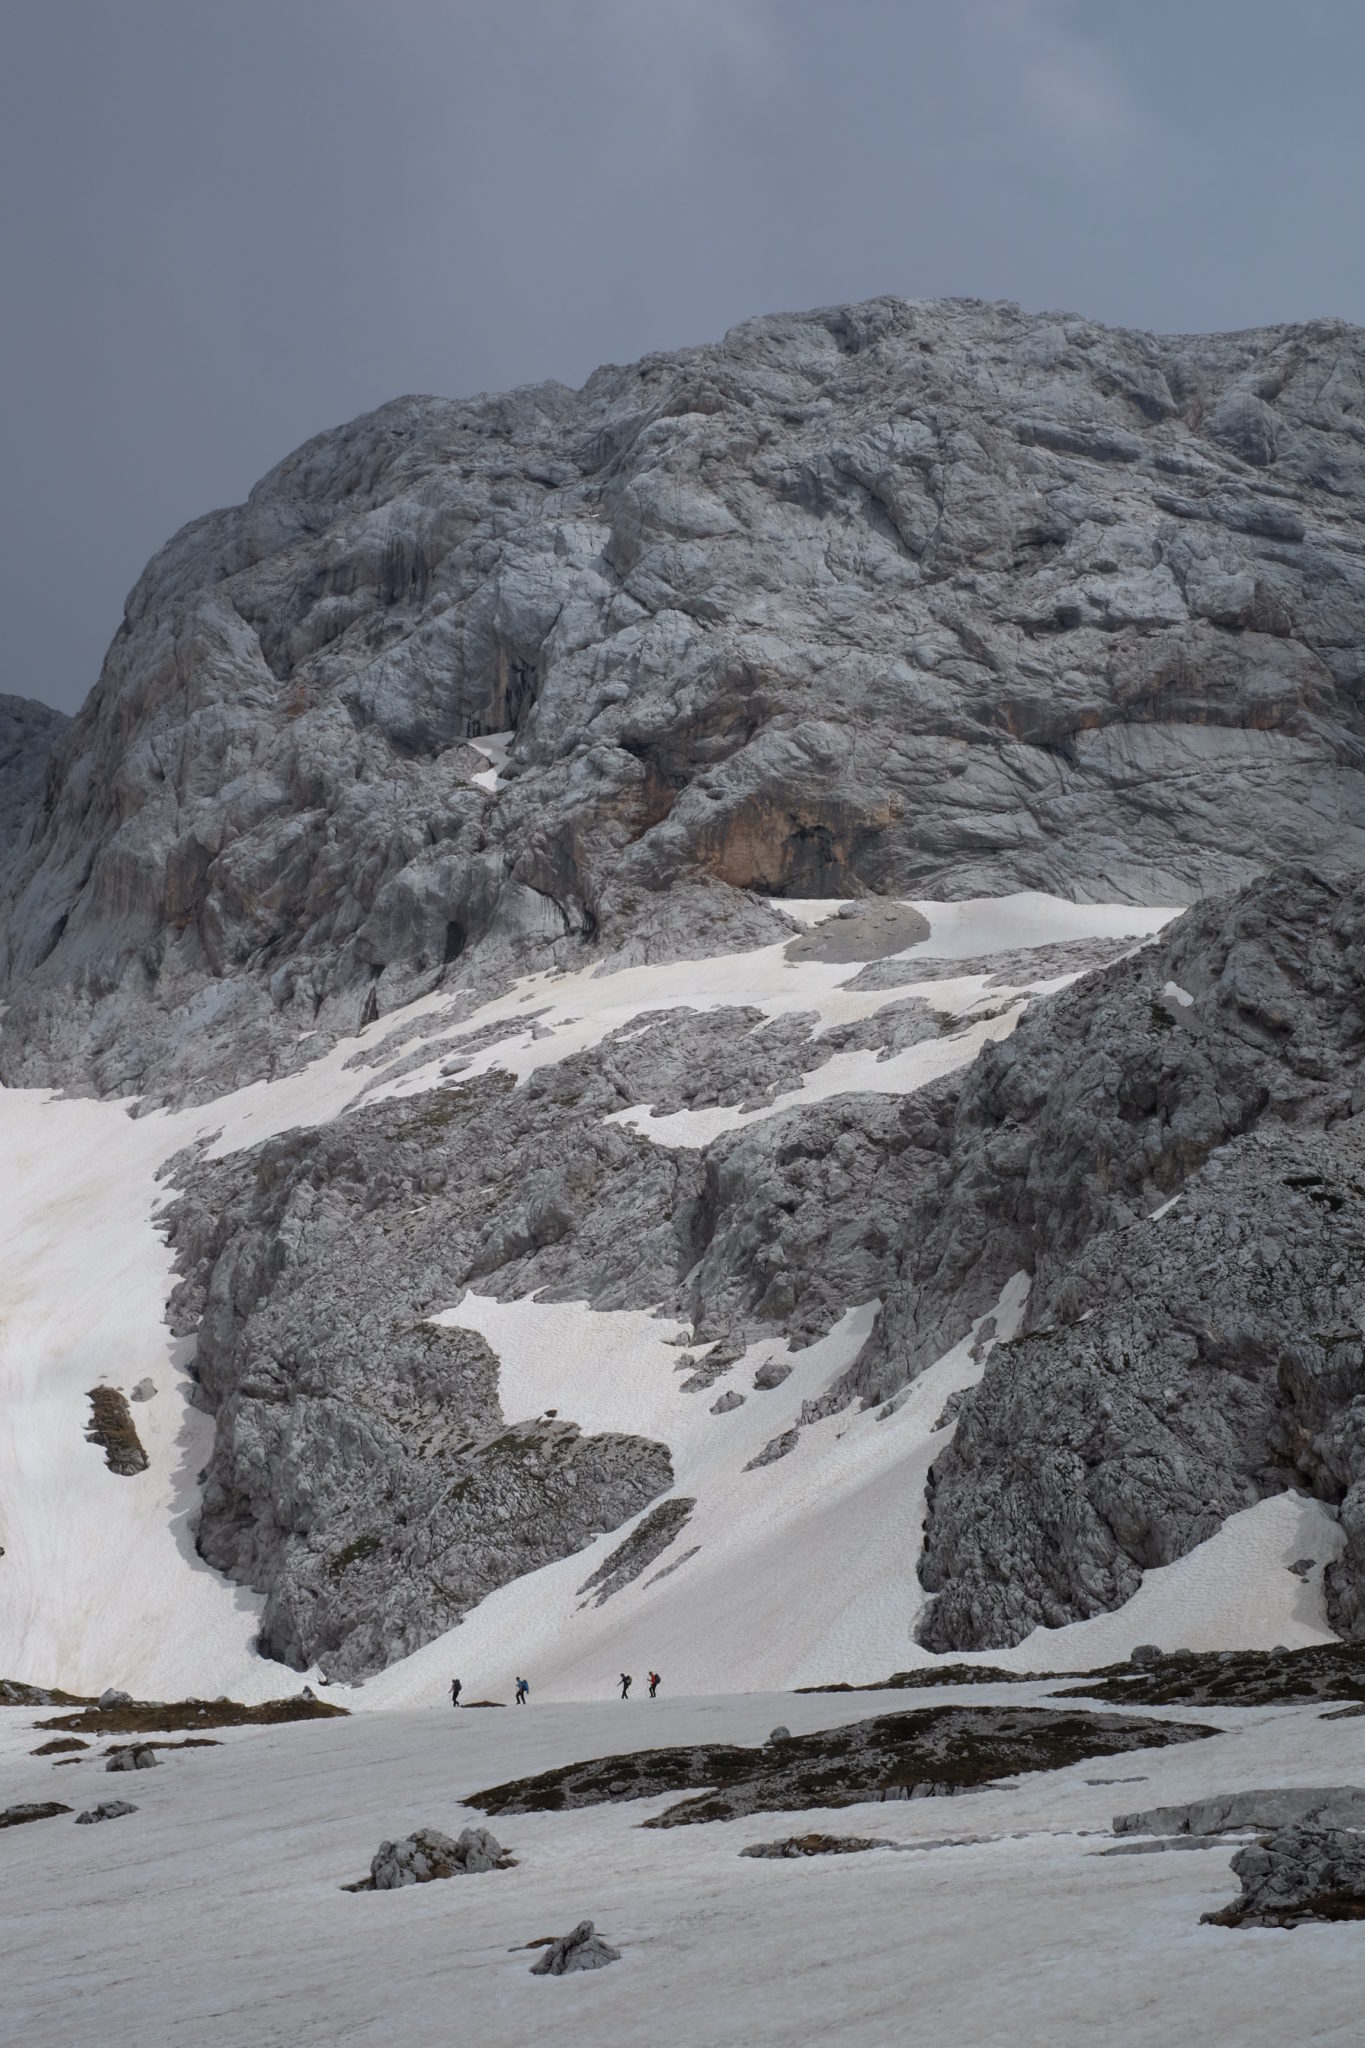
x=899 y=599
x=636 y=1082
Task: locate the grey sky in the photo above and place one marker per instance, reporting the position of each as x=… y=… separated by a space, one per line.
x=230 y=225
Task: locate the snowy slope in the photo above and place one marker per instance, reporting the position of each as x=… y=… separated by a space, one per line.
x=803 y=1570
x=214 y=1913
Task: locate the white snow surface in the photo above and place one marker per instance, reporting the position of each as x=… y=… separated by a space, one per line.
x=215 y=1914
x=494 y=747
x=804 y=1569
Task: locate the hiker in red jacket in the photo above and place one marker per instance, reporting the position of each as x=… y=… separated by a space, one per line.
x=653 y=1684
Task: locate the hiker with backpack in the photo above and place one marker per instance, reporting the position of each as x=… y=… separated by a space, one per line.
x=625 y=1684
x=522 y=1690
x=653 y=1685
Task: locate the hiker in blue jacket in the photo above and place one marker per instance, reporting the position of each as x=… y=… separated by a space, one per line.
x=522 y=1690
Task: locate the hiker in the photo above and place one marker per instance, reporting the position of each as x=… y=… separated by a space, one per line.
x=625 y=1684
x=522 y=1689
x=455 y=1690
x=653 y=1684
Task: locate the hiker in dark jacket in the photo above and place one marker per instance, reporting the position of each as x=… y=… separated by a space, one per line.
x=653 y=1684
x=625 y=1684
x=455 y=1690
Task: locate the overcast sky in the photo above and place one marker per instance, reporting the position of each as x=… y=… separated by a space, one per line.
x=229 y=223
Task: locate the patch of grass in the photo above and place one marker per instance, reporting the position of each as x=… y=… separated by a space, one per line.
x=113 y=1429
x=58 y=1744
x=38 y=1809
x=144 y=1716
x=190 y=1742
x=938 y=1750
x=931 y=1675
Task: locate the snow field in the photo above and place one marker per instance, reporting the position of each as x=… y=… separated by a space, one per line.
x=99 y=1583
x=214 y=1912
x=805 y=1568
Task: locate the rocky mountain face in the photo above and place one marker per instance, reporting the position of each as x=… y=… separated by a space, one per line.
x=929 y=600
x=1172 y=1148
x=903 y=598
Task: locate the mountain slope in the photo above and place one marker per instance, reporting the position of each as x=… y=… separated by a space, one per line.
x=701 y=852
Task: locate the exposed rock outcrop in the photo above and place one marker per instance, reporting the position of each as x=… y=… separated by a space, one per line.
x=139 y=1756
x=426 y=1855
x=1298 y=1874
x=647 y=1541
x=582 y=1948
x=937 y=1751
x=1172 y=1370
x=1321 y=1806
x=108 y=1809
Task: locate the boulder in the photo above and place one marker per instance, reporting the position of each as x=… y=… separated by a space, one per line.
x=137 y=1756
x=427 y=1854
x=581 y=1949
x=108 y=1809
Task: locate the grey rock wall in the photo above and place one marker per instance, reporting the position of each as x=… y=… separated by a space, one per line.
x=1172 y=1370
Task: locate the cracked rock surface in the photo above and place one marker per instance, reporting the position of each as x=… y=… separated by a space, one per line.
x=1174 y=1369
x=427 y=1855
x=1296 y=1875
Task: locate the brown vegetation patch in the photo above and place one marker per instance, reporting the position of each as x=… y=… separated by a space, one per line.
x=39 y=1809
x=935 y=1674
x=1232 y=1678
x=142 y=1716
x=939 y=1750
x=113 y=1429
